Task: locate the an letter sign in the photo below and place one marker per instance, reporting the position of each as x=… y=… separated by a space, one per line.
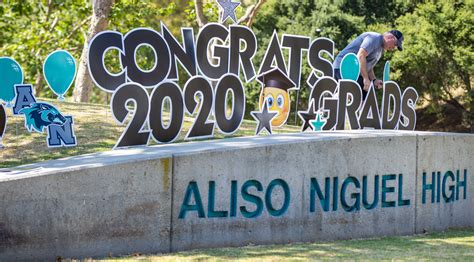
x=218 y=62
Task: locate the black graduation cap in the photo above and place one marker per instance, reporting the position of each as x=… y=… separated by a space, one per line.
x=276 y=78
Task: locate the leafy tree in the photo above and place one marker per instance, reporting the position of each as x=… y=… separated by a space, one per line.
x=31 y=30
x=378 y=11
x=439 y=54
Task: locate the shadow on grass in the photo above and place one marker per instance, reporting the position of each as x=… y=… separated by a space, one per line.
x=95 y=130
x=455 y=244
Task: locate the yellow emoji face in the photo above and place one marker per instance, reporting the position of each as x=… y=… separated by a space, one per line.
x=277 y=100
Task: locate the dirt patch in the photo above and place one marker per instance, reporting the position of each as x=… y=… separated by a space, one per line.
x=448 y=120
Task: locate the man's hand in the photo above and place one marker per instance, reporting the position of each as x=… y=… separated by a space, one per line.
x=367 y=83
x=378 y=83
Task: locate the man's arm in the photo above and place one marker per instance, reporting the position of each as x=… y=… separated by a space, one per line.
x=378 y=83
x=372 y=75
x=361 y=55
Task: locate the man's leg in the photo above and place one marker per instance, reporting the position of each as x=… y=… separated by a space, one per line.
x=360 y=81
x=337 y=74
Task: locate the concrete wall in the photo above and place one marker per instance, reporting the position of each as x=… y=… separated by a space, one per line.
x=88 y=212
x=134 y=200
x=441 y=153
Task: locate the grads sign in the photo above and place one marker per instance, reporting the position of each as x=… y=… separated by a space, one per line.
x=217 y=63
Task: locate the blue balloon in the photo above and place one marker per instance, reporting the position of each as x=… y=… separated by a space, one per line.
x=11 y=74
x=350 y=67
x=386 y=72
x=59 y=71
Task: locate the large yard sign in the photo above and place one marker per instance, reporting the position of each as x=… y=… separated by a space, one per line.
x=217 y=62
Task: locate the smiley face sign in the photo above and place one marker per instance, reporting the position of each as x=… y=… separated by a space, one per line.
x=275 y=93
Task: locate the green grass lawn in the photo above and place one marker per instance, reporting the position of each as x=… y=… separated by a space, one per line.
x=450 y=245
x=95 y=129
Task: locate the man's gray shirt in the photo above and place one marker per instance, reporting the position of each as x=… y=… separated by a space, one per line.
x=371 y=42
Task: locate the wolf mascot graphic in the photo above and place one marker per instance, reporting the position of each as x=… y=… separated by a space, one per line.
x=40 y=115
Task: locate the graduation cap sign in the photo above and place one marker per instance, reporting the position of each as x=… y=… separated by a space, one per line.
x=275 y=93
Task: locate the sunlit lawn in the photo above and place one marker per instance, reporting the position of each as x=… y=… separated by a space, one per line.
x=451 y=245
x=95 y=129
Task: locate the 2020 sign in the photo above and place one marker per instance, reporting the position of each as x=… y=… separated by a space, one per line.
x=151 y=109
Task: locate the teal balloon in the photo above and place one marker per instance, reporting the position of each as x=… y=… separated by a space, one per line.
x=11 y=74
x=386 y=72
x=59 y=71
x=350 y=68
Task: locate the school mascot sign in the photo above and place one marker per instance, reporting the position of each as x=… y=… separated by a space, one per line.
x=218 y=61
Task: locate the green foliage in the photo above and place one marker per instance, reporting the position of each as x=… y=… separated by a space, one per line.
x=129 y=14
x=438 y=56
x=378 y=11
x=437 y=60
x=210 y=11
x=30 y=30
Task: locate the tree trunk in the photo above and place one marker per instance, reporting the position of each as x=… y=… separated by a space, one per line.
x=200 y=18
x=99 y=22
x=38 y=83
x=251 y=13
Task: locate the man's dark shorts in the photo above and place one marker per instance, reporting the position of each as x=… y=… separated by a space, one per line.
x=360 y=80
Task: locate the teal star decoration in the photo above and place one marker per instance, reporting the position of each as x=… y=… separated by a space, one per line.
x=318 y=123
x=228 y=9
